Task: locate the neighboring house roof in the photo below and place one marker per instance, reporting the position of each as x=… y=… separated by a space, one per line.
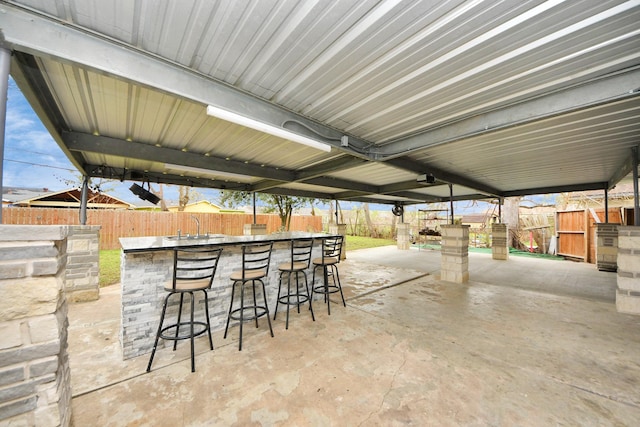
x=69 y=198
x=12 y=195
x=620 y=191
x=201 y=206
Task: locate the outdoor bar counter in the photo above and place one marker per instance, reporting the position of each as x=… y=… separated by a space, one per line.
x=147 y=264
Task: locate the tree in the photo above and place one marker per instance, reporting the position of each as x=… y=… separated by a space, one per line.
x=372 y=232
x=511 y=217
x=160 y=194
x=99 y=185
x=183 y=197
x=283 y=206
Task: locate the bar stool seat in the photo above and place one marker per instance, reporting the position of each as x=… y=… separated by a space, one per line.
x=256 y=258
x=296 y=266
x=193 y=271
x=239 y=275
x=328 y=263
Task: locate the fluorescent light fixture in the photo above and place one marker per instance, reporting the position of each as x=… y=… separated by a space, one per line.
x=266 y=128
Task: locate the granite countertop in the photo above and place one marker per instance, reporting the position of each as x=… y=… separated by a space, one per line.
x=159 y=243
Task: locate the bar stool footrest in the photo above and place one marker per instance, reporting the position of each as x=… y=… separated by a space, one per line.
x=262 y=311
x=187 y=336
x=331 y=289
x=299 y=299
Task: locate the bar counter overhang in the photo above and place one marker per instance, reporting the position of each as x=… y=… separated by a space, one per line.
x=147 y=264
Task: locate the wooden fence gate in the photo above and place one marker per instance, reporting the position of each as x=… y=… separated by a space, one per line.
x=576 y=232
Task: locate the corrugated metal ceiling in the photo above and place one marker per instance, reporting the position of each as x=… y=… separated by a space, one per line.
x=497 y=98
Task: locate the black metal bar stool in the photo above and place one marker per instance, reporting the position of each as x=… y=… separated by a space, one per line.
x=193 y=271
x=255 y=267
x=328 y=262
x=296 y=266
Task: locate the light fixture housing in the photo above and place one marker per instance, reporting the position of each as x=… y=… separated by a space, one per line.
x=144 y=194
x=426 y=179
x=266 y=128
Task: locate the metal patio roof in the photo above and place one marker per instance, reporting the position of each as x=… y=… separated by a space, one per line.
x=497 y=98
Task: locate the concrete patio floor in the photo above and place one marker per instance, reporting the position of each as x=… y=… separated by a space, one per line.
x=526 y=342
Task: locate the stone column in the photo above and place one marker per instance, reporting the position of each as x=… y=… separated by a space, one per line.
x=455 y=253
x=607 y=246
x=500 y=241
x=255 y=229
x=34 y=364
x=628 y=292
x=403 y=238
x=82 y=279
x=340 y=229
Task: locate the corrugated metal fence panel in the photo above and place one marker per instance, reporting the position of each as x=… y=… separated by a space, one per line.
x=123 y=223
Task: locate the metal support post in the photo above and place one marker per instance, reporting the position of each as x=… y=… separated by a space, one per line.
x=84 y=195
x=255 y=216
x=5 y=65
x=451 y=201
x=606 y=206
x=636 y=198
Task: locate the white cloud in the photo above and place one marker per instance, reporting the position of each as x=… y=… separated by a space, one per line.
x=32 y=158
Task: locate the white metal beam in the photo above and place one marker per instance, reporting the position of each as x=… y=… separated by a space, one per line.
x=40 y=35
x=607 y=89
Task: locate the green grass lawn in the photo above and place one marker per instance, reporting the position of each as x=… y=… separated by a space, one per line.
x=110 y=260
x=109 y=267
x=356 y=242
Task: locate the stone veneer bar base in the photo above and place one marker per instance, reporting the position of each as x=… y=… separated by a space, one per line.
x=35 y=381
x=143 y=275
x=628 y=292
x=455 y=253
x=500 y=241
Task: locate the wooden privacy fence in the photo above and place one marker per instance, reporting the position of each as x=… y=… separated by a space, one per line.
x=124 y=223
x=576 y=231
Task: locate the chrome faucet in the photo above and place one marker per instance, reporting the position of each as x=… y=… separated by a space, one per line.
x=195 y=218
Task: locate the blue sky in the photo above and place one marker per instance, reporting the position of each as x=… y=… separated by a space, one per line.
x=31 y=156
x=33 y=159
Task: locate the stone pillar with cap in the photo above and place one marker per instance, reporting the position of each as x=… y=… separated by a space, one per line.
x=455 y=253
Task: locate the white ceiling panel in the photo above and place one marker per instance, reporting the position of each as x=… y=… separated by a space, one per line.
x=496 y=97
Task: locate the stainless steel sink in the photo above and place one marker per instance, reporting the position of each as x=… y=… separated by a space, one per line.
x=195 y=237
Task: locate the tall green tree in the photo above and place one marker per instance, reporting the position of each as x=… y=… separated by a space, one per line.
x=283 y=206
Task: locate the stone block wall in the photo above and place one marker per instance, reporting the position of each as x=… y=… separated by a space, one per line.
x=607 y=246
x=35 y=386
x=455 y=253
x=500 y=241
x=83 y=263
x=255 y=229
x=628 y=292
x=403 y=239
